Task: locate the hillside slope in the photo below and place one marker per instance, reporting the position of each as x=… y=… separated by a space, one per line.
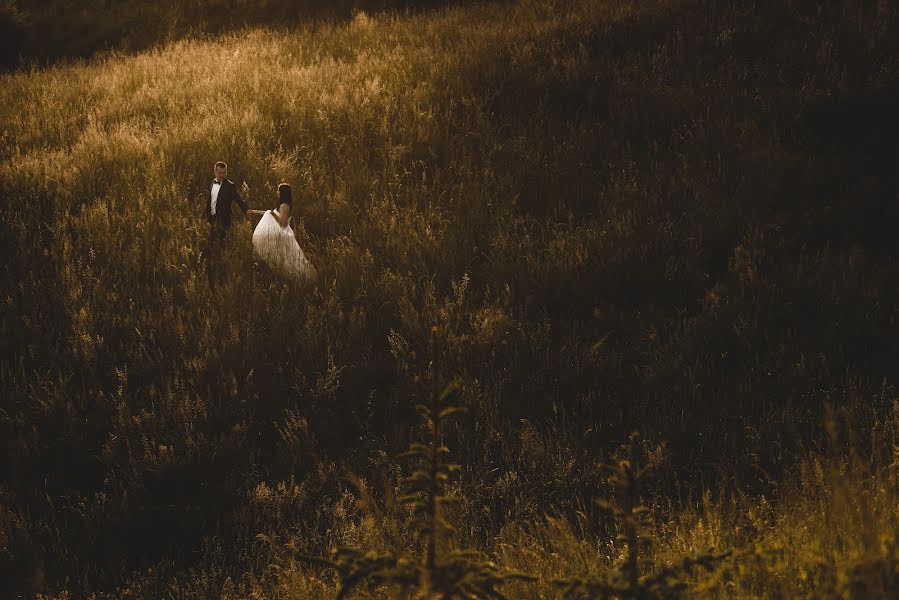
x=676 y=217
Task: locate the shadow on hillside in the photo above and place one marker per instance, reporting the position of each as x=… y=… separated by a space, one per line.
x=46 y=31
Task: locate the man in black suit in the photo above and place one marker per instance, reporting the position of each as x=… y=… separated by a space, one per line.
x=218 y=200
x=222 y=193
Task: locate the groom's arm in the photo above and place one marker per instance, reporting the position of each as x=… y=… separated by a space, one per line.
x=240 y=201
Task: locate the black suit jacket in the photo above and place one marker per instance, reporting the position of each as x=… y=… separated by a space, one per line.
x=228 y=195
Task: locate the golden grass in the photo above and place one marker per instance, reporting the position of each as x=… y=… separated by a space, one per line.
x=666 y=216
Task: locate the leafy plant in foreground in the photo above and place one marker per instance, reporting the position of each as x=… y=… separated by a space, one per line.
x=440 y=573
x=628 y=580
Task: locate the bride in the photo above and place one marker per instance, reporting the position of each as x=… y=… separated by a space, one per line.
x=274 y=241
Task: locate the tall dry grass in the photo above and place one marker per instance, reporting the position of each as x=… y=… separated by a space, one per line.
x=670 y=216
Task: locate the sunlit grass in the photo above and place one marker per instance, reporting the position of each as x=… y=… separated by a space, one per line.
x=622 y=215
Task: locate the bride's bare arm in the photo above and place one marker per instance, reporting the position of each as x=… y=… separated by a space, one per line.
x=282 y=214
x=253 y=211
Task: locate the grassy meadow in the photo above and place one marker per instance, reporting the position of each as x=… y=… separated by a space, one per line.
x=594 y=216
x=40 y=32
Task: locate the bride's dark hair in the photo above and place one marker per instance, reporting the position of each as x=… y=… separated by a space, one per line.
x=284 y=194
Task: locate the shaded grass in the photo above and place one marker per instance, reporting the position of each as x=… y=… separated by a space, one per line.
x=671 y=216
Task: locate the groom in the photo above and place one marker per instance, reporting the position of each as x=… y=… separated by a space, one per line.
x=222 y=194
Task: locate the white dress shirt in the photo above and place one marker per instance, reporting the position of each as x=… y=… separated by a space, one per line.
x=214 y=195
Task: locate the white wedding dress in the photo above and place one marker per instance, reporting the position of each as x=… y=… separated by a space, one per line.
x=278 y=248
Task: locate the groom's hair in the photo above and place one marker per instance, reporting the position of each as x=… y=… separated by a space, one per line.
x=221 y=165
x=284 y=193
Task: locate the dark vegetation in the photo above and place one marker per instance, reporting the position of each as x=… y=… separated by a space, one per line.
x=674 y=217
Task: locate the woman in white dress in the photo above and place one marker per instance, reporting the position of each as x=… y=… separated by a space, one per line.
x=274 y=241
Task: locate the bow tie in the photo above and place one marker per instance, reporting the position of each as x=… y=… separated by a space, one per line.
x=216 y=183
